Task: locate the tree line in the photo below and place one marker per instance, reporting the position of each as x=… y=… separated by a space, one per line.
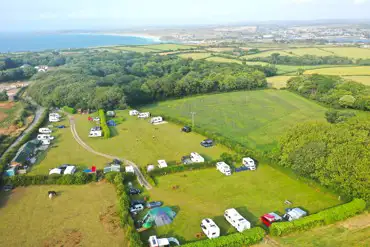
x=111 y=80
x=332 y=90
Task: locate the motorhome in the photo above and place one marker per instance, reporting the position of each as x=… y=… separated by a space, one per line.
x=143 y=115
x=95 y=132
x=70 y=170
x=196 y=158
x=223 y=168
x=155 y=120
x=134 y=112
x=41 y=137
x=249 y=163
x=210 y=229
x=236 y=220
x=294 y=214
x=45 y=130
x=162 y=164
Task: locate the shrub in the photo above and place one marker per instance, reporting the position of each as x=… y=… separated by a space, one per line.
x=324 y=217
x=103 y=124
x=181 y=168
x=69 y=109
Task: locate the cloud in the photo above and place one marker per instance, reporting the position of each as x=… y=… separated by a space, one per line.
x=359 y=1
x=299 y=1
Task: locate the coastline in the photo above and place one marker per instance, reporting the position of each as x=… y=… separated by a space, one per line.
x=138 y=35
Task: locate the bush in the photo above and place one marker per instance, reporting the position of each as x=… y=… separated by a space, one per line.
x=69 y=109
x=324 y=217
x=246 y=238
x=103 y=124
x=181 y=168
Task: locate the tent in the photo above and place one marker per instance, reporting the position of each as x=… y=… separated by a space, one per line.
x=159 y=217
x=111 y=123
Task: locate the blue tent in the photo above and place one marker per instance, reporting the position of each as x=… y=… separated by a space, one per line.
x=111 y=123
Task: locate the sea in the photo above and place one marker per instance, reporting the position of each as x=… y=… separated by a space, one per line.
x=20 y=42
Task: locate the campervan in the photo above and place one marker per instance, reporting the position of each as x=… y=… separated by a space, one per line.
x=196 y=158
x=45 y=131
x=44 y=137
x=155 y=120
x=134 y=112
x=144 y=115
x=249 y=163
x=210 y=229
x=223 y=168
x=162 y=164
x=70 y=170
x=236 y=220
x=294 y=214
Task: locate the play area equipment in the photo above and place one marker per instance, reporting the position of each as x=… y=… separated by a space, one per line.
x=161 y=242
x=158 y=217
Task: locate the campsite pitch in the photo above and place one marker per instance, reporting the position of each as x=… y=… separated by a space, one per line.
x=80 y=215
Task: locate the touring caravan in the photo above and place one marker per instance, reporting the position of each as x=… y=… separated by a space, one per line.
x=70 y=170
x=54 y=119
x=210 y=229
x=134 y=112
x=55 y=171
x=41 y=137
x=236 y=220
x=155 y=120
x=95 y=132
x=45 y=131
x=249 y=163
x=54 y=114
x=196 y=158
x=45 y=142
x=223 y=168
x=162 y=164
x=144 y=115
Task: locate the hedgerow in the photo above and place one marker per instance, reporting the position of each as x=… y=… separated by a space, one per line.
x=69 y=109
x=103 y=124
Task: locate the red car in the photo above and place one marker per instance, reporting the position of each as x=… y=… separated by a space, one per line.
x=270 y=218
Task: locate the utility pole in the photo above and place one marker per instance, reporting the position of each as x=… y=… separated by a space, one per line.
x=192 y=118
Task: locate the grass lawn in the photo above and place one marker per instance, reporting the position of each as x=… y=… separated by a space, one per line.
x=208 y=193
x=82 y=215
x=223 y=60
x=144 y=143
x=361 y=79
x=278 y=81
x=66 y=150
x=358 y=70
x=351 y=52
x=165 y=47
x=254 y=118
x=195 y=55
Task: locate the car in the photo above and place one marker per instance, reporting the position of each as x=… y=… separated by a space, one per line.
x=96 y=119
x=117 y=161
x=186 y=160
x=186 y=129
x=61 y=126
x=135 y=202
x=154 y=204
x=207 y=143
x=137 y=208
x=133 y=191
x=7 y=187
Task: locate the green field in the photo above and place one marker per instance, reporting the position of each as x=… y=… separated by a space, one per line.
x=208 y=193
x=308 y=51
x=195 y=55
x=343 y=71
x=267 y=53
x=278 y=81
x=254 y=118
x=134 y=48
x=65 y=150
x=361 y=79
x=167 y=47
x=81 y=215
x=8 y=112
x=144 y=143
x=223 y=60
x=352 y=52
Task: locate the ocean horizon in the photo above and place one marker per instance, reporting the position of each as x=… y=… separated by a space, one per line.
x=23 y=42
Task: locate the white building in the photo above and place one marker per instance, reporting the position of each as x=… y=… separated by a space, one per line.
x=144 y=115
x=162 y=164
x=210 y=229
x=134 y=112
x=155 y=120
x=249 y=163
x=223 y=168
x=196 y=158
x=95 y=132
x=236 y=220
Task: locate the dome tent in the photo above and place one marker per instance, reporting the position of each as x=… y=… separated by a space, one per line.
x=158 y=217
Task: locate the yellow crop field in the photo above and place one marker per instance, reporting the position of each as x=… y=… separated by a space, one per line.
x=359 y=70
x=195 y=55
x=352 y=52
x=278 y=81
x=361 y=79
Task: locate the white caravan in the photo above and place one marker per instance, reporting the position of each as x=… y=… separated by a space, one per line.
x=196 y=158
x=210 y=229
x=45 y=131
x=144 y=115
x=134 y=112
x=54 y=114
x=162 y=164
x=249 y=163
x=54 y=119
x=155 y=120
x=161 y=242
x=41 y=137
x=294 y=214
x=223 y=168
x=45 y=142
x=129 y=169
x=55 y=171
x=70 y=170
x=95 y=132
x=236 y=220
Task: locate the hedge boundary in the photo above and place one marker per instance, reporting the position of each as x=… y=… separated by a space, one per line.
x=325 y=217
x=103 y=124
x=246 y=238
x=69 y=109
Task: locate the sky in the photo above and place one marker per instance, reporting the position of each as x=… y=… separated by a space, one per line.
x=38 y=15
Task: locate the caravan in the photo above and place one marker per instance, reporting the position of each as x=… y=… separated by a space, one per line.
x=162 y=164
x=196 y=158
x=45 y=131
x=41 y=137
x=249 y=163
x=54 y=119
x=134 y=113
x=210 y=229
x=70 y=170
x=144 y=115
x=223 y=168
x=95 y=132
x=155 y=120
x=236 y=220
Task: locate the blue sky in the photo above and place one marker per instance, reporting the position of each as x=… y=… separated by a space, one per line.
x=119 y=14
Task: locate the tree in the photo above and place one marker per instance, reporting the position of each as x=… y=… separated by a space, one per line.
x=347 y=100
x=4 y=96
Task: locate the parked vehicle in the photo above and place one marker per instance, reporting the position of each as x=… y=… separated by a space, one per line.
x=56 y=171
x=136 y=208
x=223 y=168
x=135 y=202
x=207 y=143
x=44 y=137
x=63 y=167
x=45 y=131
x=196 y=158
x=294 y=214
x=7 y=187
x=96 y=119
x=144 y=115
x=154 y=204
x=133 y=191
x=236 y=220
x=134 y=112
x=45 y=142
x=186 y=160
x=61 y=126
x=249 y=163
x=155 y=120
x=54 y=119
x=186 y=129
x=210 y=229
x=270 y=218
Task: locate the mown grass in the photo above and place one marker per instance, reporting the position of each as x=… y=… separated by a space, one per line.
x=361 y=79
x=208 y=193
x=74 y=218
x=308 y=51
x=138 y=140
x=351 y=52
x=195 y=55
x=343 y=71
x=254 y=118
x=278 y=81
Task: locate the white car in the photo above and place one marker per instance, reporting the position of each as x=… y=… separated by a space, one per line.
x=136 y=208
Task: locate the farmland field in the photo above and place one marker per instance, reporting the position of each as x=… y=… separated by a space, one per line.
x=278 y=81
x=361 y=79
x=359 y=70
x=267 y=53
x=81 y=215
x=253 y=118
x=351 y=52
x=208 y=193
x=65 y=150
x=134 y=48
x=308 y=51
x=165 y=47
x=223 y=60
x=144 y=143
x=195 y=55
